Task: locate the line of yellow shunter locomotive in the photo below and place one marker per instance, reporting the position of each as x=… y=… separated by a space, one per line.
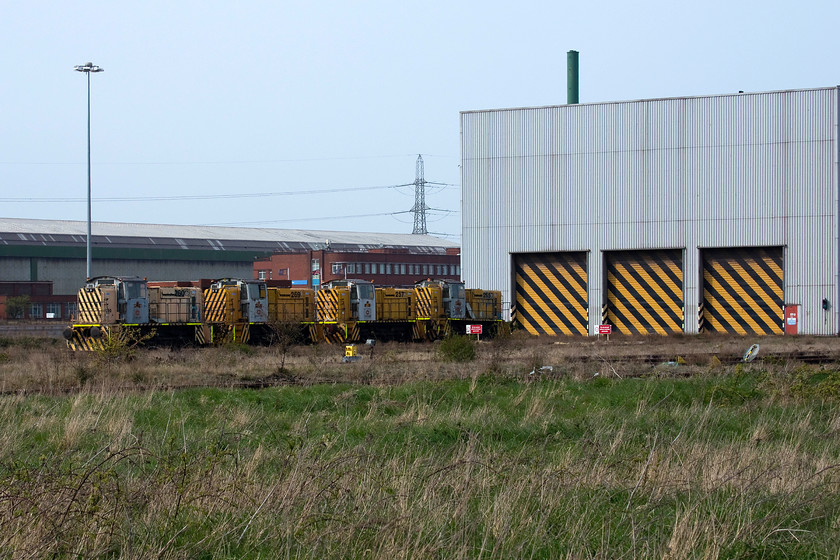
x=209 y=312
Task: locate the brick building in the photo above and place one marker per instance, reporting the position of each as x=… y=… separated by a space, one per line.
x=42 y=303
x=390 y=266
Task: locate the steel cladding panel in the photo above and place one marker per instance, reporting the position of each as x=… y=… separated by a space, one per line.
x=551 y=295
x=755 y=169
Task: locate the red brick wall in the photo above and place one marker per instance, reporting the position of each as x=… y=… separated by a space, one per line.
x=299 y=266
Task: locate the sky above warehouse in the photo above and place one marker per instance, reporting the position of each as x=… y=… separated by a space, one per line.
x=311 y=115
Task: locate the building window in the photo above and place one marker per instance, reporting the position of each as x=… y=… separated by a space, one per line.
x=458 y=269
x=351 y=268
x=388 y=268
x=337 y=268
x=71 y=310
x=261 y=274
x=381 y=268
x=54 y=310
x=36 y=311
x=283 y=272
x=367 y=268
x=402 y=269
x=315 y=265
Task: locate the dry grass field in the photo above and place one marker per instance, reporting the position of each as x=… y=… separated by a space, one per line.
x=651 y=447
x=44 y=365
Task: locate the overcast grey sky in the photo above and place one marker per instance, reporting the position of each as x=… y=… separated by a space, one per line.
x=283 y=100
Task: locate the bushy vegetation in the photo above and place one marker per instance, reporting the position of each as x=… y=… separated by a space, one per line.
x=457 y=348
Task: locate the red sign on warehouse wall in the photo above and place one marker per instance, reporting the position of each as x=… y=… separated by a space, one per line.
x=791 y=319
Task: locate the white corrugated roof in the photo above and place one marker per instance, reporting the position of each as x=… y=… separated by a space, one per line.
x=67 y=227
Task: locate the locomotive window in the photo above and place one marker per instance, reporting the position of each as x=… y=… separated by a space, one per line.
x=458 y=291
x=134 y=290
x=254 y=290
x=365 y=291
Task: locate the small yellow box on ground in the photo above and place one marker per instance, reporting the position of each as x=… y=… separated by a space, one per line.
x=350 y=350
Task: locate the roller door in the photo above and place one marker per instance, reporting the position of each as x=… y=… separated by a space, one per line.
x=551 y=293
x=743 y=290
x=645 y=291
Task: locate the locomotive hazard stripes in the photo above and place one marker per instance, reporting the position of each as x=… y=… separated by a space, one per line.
x=426 y=307
x=645 y=291
x=743 y=290
x=327 y=305
x=551 y=293
x=90 y=306
x=214 y=306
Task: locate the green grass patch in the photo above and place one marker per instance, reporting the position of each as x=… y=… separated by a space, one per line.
x=495 y=466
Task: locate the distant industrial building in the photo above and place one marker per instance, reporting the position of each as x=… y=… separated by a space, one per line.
x=694 y=214
x=38 y=251
x=34 y=300
x=383 y=266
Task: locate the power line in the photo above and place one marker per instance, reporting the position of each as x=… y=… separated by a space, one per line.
x=343 y=217
x=226 y=162
x=206 y=196
x=217 y=162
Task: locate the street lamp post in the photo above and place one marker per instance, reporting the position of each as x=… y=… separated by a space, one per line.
x=87 y=69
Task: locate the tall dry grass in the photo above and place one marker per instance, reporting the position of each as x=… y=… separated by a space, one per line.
x=404 y=456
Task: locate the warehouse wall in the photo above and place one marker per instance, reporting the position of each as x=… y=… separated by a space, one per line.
x=68 y=275
x=748 y=170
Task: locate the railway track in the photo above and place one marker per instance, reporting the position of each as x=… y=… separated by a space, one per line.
x=807 y=357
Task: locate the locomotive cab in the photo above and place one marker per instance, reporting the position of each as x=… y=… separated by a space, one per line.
x=116 y=300
x=452 y=298
x=362 y=297
x=252 y=298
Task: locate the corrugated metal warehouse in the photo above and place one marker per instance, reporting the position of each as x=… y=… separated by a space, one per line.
x=46 y=250
x=696 y=214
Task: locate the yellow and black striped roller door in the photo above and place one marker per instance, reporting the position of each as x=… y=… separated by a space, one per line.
x=743 y=290
x=551 y=293
x=645 y=291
